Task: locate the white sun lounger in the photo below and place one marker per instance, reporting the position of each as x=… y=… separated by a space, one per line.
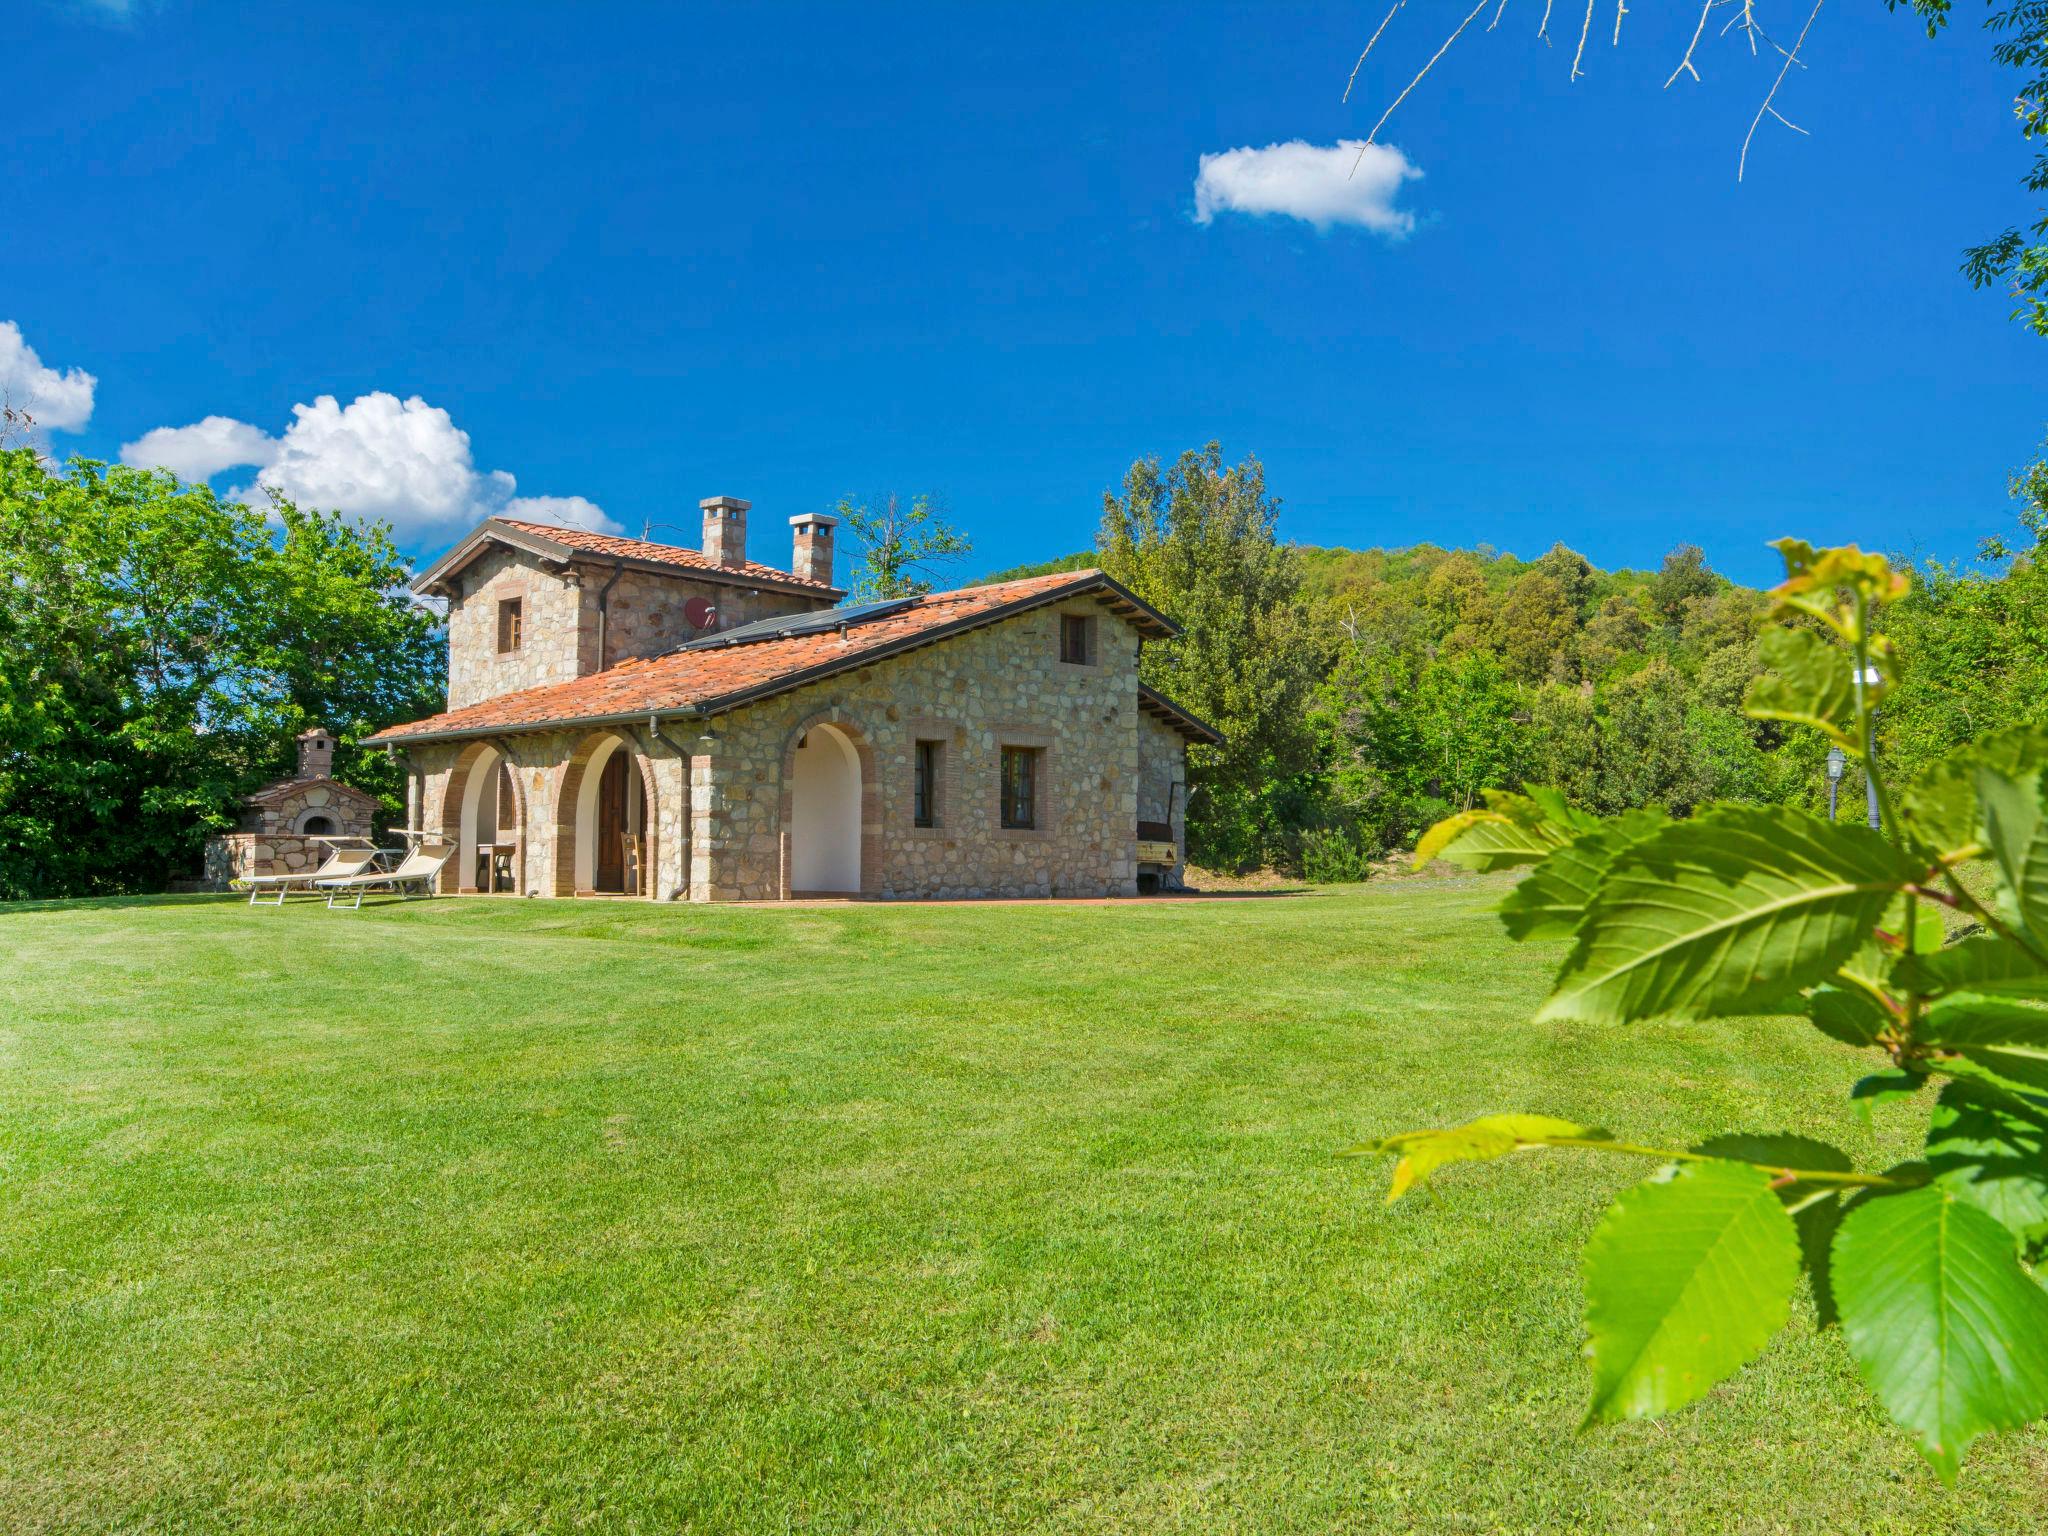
x=421 y=869
x=341 y=863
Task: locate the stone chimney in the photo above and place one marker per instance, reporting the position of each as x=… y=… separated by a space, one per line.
x=812 y=559
x=316 y=754
x=725 y=530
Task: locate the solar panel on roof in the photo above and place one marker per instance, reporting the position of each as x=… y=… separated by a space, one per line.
x=790 y=625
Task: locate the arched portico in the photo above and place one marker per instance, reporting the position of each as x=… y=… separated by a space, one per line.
x=830 y=803
x=484 y=803
x=606 y=821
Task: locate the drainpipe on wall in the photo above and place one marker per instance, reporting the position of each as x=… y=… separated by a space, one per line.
x=604 y=594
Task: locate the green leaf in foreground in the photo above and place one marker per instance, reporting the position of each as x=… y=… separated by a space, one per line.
x=1490 y=1136
x=1975 y=965
x=1816 y=1210
x=1995 y=1160
x=1512 y=830
x=1551 y=900
x=1810 y=682
x=2017 y=834
x=2005 y=1038
x=1946 y=1327
x=1847 y=1014
x=1733 y=912
x=1686 y=1279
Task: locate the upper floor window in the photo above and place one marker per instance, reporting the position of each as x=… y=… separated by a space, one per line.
x=1020 y=788
x=511 y=624
x=925 y=785
x=1077 y=637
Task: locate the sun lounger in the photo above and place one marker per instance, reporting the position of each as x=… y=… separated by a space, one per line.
x=419 y=872
x=341 y=863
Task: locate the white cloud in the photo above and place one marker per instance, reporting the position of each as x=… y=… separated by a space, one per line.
x=1311 y=182
x=378 y=457
x=60 y=402
x=570 y=511
x=202 y=450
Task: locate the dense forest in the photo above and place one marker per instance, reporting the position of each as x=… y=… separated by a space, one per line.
x=1367 y=693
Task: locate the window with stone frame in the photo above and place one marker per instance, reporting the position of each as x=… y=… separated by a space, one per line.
x=511 y=624
x=927 y=759
x=1019 y=788
x=1077 y=639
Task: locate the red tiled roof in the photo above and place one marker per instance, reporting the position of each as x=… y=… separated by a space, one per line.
x=608 y=546
x=708 y=680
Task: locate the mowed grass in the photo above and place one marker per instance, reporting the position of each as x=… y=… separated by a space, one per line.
x=503 y=1216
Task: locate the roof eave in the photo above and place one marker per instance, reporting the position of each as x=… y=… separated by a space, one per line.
x=1189 y=724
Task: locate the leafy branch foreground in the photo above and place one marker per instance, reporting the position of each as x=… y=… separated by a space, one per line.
x=1929 y=1266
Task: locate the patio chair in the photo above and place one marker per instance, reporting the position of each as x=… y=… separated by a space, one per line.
x=421 y=869
x=340 y=864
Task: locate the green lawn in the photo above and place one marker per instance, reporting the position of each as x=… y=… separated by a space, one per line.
x=487 y=1215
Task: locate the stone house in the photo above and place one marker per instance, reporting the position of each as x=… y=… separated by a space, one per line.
x=632 y=718
x=280 y=825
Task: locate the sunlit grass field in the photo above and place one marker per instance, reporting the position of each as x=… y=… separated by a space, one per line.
x=554 y=1216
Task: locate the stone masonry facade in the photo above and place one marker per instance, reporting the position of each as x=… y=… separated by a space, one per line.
x=560 y=622
x=1101 y=765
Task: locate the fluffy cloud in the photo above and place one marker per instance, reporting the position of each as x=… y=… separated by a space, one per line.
x=60 y=402
x=202 y=450
x=1311 y=182
x=569 y=511
x=378 y=457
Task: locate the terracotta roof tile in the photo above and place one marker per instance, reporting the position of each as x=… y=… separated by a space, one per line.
x=662 y=554
x=716 y=678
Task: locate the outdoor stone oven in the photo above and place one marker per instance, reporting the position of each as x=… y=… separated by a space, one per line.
x=280 y=822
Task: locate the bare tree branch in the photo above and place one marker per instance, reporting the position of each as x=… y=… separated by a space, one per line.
x=1368 y=47
x=1785 y=69
x=1620 y=10
x=1543 y=26
x=1685 y=64
x=1376 y=127
x=1583 y=31
x=1496 y=16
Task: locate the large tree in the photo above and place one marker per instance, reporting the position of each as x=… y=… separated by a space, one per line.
x=1197 y=542
x=160 y=647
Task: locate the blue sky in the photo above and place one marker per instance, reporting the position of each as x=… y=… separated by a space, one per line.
x=644 y=255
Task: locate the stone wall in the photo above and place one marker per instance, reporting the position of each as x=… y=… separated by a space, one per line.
x=644 y=616
x=555 y=646
x=560 y=631
x=236 y=856
x=1000 y=686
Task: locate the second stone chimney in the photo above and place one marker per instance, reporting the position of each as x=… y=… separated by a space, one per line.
x=725 y=530
x=812 y=558
x=316 y=754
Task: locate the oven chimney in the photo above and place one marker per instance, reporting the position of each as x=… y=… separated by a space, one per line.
x=316 y=754
x=725 y=530
x=812 y=533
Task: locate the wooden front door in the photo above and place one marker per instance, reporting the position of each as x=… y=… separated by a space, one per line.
x=611 y=824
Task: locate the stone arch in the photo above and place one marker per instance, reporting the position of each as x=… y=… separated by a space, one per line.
x=459 y=802
x=836 y=720
x=571 y=841
x=315 y=821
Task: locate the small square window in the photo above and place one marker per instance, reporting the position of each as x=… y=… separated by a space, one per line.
x=511 y=624
x=1076 y=637
x=925 y=784
x=1020 y=788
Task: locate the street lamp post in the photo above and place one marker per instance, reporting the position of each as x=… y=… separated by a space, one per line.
x=1871 y=678
x=1838 y=764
